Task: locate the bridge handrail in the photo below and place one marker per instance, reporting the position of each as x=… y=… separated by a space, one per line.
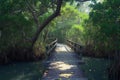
x=74 y=44
x=77 y=47
x=51 y=46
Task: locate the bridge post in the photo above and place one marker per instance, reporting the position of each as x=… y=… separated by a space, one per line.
x=74 y=47
x=50 y=47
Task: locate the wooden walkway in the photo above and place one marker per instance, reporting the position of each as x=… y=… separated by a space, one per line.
x=64 y=64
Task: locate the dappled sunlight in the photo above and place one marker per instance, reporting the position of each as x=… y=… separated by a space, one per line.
x=60 y=49
x=66 y=75
x=61 y=65
x=68 y=49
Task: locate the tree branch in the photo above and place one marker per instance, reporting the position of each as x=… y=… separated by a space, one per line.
x=33 y=12
x=47 y=21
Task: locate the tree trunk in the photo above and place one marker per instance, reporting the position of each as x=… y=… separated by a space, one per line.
x=47 y=21
x=45 y=35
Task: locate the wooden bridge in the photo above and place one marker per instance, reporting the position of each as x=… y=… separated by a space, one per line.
x=63 y=63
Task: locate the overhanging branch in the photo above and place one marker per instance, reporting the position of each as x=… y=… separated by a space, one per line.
x=47 y=21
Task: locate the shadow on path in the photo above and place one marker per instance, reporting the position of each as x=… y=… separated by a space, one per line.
x=64 y=64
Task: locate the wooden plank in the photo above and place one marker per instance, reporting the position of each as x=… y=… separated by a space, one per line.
x=50 y=47
x=64 y=64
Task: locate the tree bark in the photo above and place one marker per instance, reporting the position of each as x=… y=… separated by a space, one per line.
x=47 y=21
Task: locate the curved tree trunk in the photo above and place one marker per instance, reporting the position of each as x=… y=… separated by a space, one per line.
x=47 y=21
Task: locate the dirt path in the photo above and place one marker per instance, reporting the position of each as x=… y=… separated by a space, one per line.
x=64 y=64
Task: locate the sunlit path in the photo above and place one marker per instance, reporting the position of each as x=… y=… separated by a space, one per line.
x=64 y=64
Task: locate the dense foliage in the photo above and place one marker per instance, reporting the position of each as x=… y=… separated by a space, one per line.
x=19 y=21
x=98 y=30
x=69 y=25
x=103 y=26
x=24 y=29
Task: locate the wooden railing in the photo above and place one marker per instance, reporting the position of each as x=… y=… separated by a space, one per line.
x=50 y=47
x=76 y=47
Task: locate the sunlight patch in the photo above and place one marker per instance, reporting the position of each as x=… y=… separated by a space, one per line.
x=59 y=49
x=61 y=65
x=65 y=75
